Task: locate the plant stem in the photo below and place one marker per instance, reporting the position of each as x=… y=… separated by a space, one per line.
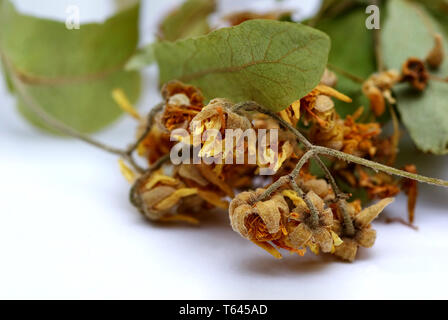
x=349 y=228
x=379 y=167
x=346 y=74
x=58 y=125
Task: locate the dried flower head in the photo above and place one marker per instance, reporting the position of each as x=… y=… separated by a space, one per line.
x=303 y=233
x=158 y=196
x=364 y=235
x=317 y=106
x=377 y=89
x=182 y=104
x=414 y=72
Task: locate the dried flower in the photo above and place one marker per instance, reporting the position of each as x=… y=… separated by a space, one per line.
x=414 y=72
x=437 y=54
x=259 y=221
x=364 y=235
x=301 y=231
x=160 y=195
x=378 y=87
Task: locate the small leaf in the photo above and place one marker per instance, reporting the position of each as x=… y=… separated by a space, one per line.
x=271 y=62
x=409 y=32
x=355 y=56
x=70 y=73
x=189 y=20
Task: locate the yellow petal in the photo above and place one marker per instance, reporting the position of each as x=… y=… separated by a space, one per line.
x=296 y=109
x=314 y=248
x=284 y=115
x=174 y=198
x=181 y=218
x=157 y=177
x=336 y=240
x=329 y=91
x=298 y=201
x=123 y=102
x=269 y=248
x=213 y=199
x=126 y=171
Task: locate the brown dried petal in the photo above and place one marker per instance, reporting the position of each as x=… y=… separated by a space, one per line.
x=299 y=236
x=323 y=237
x=437 y=54
x=347 y=249
x=316 y=200
x=319 y=186
x=366 y=237
x=366 y=216
x=152 y=197
x=270 y=213
x=189 y=171
x=326 y=217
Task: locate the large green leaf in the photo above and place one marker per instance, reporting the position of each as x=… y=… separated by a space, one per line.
x=70 y=73
x=408 y=32
x=352 y=51
x=189 y=20
x=271 y=62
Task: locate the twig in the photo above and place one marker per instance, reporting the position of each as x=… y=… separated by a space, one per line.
x=58 y=125
x=346 y=74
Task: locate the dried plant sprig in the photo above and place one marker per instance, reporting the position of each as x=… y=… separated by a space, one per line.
x=314 y=151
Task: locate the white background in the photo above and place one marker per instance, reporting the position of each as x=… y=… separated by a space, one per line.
x=68 y=231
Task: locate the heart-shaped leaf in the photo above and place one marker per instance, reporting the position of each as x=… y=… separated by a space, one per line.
x=70 y=73
x=409 y=32
x=271 y=62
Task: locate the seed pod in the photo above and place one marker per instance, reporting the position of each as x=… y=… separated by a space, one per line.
x=414 y=72
x=437 y=54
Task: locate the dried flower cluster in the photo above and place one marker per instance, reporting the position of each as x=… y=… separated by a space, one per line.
x=305 y=212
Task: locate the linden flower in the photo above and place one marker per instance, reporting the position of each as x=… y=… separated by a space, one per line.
x=348 y=135
x=301 y=232
x=160 y=195
x=259 y=221
x=317 y=104
x=209 y=187
x=182 y=104
x=216 y=117
x=378 y=88
x=364 y=235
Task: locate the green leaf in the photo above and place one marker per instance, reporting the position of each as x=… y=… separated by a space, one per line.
x=271 y=62
x=352 y=51
x=408 y=32
x=71 y=73
x=189 y=20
